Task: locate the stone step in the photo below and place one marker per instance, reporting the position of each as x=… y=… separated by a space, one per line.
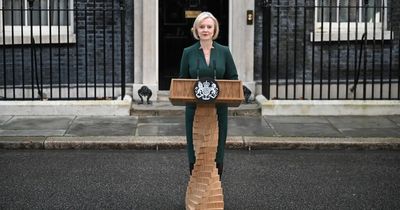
x=165 y=108
x=163 y=95
x=158 y=108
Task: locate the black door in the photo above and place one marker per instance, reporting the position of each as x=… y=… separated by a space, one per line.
x=176 y=19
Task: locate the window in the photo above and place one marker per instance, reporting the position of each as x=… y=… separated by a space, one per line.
x=350 y=19
x=52 y=19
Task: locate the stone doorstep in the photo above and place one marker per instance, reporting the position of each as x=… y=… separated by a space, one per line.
x=165 y=108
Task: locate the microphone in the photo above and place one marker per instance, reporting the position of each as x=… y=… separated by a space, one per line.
x=215 y=69
x=198 y=68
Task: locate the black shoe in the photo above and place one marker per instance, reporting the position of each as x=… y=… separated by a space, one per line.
x=220 y=167
x=191 y=166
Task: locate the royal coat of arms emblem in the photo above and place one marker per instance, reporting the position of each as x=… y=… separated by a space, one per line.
x=206 y=89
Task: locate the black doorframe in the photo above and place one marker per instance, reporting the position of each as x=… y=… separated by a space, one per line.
x=175 y=34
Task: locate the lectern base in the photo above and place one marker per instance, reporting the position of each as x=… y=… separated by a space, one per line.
x=204 y=190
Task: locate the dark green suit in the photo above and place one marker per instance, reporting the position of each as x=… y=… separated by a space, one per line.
x=192 y=63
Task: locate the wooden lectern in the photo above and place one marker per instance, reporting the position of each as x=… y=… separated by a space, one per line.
x=204 y=190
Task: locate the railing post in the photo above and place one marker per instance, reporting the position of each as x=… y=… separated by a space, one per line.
x=32 y=45
x=4 y=53
x=122 y=10
x=365 y=49
x=266 y=49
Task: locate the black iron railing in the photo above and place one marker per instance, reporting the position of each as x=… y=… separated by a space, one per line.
x=326 y=50
x=67 y=50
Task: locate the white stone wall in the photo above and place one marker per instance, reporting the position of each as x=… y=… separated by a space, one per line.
x=146 y=46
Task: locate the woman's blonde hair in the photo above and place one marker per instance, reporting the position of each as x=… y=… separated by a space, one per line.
x=200 y=18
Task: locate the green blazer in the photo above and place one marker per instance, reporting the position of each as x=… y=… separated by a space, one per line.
x=193 y=63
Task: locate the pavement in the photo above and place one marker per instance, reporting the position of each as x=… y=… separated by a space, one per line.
x=161 y=126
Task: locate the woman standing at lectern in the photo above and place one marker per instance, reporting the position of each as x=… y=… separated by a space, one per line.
x=207 y=58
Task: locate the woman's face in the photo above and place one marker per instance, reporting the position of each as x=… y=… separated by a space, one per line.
x=205 y=29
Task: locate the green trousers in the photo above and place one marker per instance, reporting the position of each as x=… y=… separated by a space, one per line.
x=222 y=112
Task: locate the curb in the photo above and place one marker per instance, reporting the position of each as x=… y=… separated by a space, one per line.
x=179 y=142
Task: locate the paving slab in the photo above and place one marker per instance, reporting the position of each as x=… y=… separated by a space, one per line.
x=4 y=118
x=249 y=126
x=103 y=126
x=166 y=129
x=161 y=119
x=38 y=123
x=29 y=133
x=345 y=122
x=371 y=132
x=394 y=118
x=114 y=119
x=161 y=126
x=306 y=129
x=295 y=119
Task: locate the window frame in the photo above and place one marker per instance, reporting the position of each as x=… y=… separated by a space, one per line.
x=348 y=29
x=21 y=34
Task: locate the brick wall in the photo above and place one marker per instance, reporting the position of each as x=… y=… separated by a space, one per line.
x=88 y=55
x=335 y=60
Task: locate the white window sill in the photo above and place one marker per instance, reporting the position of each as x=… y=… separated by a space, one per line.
x=64 y=39
x=334 y=36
